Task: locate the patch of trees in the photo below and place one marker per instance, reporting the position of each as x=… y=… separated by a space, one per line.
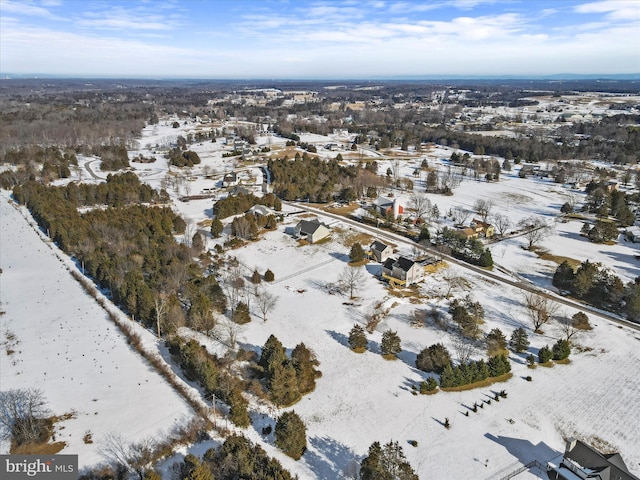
x=130 y=250
x=596 y=285
x=603 y=202
x=386 y=463
x=236 y=459
x=470 y=250
x=287 y=379
x=114 y=157
x=309 y=177
x=474 y=371
x=601 y=232
x=211 y=372
x=36 y=162
x=181 y=158
x=236 y=204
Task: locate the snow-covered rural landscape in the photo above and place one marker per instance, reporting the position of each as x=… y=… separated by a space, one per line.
x=73 y=342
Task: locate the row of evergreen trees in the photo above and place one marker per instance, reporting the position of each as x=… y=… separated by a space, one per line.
x=287 y=379
x=470 y=250
x=474 y=371
x=201 y=366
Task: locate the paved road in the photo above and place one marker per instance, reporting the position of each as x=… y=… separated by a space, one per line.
x=512 y=281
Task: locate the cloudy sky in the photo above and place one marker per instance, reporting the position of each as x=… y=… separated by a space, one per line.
x=318 y=39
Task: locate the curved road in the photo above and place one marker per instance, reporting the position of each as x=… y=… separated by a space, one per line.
x=520 y=284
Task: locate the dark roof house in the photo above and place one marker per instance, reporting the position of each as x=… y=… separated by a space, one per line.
x=582 y=462
x=379 y=251
x=402 y=271
x=312 y=230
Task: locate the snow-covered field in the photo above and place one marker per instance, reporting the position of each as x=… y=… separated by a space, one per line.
x=360 y=398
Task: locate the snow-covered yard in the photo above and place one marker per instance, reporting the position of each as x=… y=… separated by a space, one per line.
x=69 y=349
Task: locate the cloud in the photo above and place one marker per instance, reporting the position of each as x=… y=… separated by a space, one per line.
x=129 y=19
x=27 y=8
x=625 y=10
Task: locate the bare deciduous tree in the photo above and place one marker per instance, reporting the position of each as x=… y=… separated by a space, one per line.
x=483 y=207
x=535 y=229
x=129 y=457
x=502 y=223
x=351 y=279
x=567 y=324
x=463 y=349
x=21 y=415
x=420 y=203
x=459 y=215
x=540 y=309
x=266 y=303
x=452 y=282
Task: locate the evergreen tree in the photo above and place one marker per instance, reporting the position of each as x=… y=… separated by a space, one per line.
x=216 y=228
x=241 y=314
x=433 y=358
x=519 y=341
x=561 y=350
x=358 y=339
x=283 y=385
x=357 y=253
x=256 y=278
x=496 y=342
x=498 y=365
x=304 y=362
x=390 y=344
x=268 y=276
x=273 y=354
x=544 y=355
x=291 y=435
x=238 y=412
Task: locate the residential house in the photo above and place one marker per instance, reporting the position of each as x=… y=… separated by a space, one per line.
x=261 y=211
x=384 y=206
x=312 y=230
x=402 y=271
x=380 y=252
x=483 y=228
x=468 y=232
x=230 y=179
x=581 y=462
x=633 y=234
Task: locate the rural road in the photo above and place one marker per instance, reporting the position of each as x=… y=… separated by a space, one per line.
x=520 y=284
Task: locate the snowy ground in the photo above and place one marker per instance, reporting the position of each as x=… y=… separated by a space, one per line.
x=56 y=338
x=360 y=398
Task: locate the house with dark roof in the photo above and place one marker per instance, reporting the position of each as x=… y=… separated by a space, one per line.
x=582 y=462
x=403 y=272
x=379 y=252
x=230 y=179
x=312 y=230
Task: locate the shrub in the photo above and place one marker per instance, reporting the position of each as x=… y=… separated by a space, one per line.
x=561 y=350
x=390 y=344
x=268 y=276
x=358 y=339
x=433 y=358
x=581 y=321
x=544 y=355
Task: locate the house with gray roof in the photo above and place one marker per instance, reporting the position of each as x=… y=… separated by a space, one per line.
x=312 y=230
x=379 y=251
x=403 y=272
x=583 y=462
